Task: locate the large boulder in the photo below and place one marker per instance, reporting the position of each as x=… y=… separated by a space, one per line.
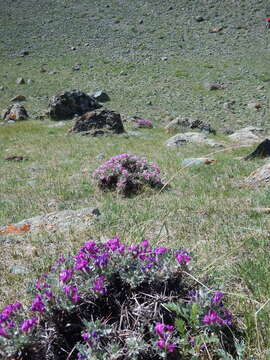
x=260 y=176
x=190 y=137
x=69 y=103
x=15 y=112
x=248 y=134
x=99 y=122
x=184 y=123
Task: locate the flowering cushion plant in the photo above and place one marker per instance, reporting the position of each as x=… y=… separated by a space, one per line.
x=128 y=174
x=108 y=301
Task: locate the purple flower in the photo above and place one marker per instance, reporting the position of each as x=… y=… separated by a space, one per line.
x=171 y=347
x=11 y=324
x=99 y=285
x=72 y=292
x=3 y=332
x=61 y=259
x=183 y=258
x=86 y=336
x=28 y=324
x=37 y=304
x=49 y=294
x=102 y=259
x=66 y=275
x=217 y=297
x=211 y=318
x=160 y=251
x=161 y=343
x=161 y=329
x=81 y=264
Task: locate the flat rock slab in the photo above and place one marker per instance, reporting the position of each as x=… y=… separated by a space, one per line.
x=260 y=176
x=59 y=221
x=248 y=134
x=190 y=137
x=198 y=161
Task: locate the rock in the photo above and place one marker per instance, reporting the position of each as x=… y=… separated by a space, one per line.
x=69 y=103
x=20 y=81
x=15 y=158
x=247 y=135
x=229 y=105
x=214 y=86
x=164 y=58
x=29 y=81
x=100 y=156
x=183 y=123
x=15 y=112
x=24 y=53
x=19 y=270
x=58 y=124
x=260 y=87
x=2 y=88
x=190 y=137
x=76 y=67
x=254 y=106
x=262 y=150
x=99 y=122
x=260 y=177
x=43 y=70
x=198 y=161
x=73 y=48
x=52 y=72
x=60 y=221
x=261 y=210
x=101 y=96
x=216 y=30
x=19 y=98
x=199 y=18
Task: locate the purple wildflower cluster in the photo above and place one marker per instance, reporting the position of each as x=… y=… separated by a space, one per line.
x=164 y=333
x=88 y=272
x=141 y=123
x=127 y=174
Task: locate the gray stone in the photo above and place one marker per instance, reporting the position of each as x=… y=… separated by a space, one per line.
x=254 y=106
x=229 y=105
x=246 y=135
x=99 y=122
x=199 y=18
x=100 y=156
x=67 y=104
x=19 y=98
x=19 y=270
x=260 y=176
x=198 y=161
x=20 y=81
x=15 y=112
x=190 y=137
x=214 y=86
x=29 y=81
x=2 y=88
x=101 y=96
x=58 y=124
x=60 y=221
x=184 y=123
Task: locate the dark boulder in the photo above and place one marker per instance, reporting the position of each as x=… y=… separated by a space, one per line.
x=261 y=151
x=69 y=103
x=99 y=122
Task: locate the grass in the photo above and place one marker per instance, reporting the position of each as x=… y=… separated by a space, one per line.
x=205 y=210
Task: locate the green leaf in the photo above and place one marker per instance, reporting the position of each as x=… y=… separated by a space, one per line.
x=180 y=327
